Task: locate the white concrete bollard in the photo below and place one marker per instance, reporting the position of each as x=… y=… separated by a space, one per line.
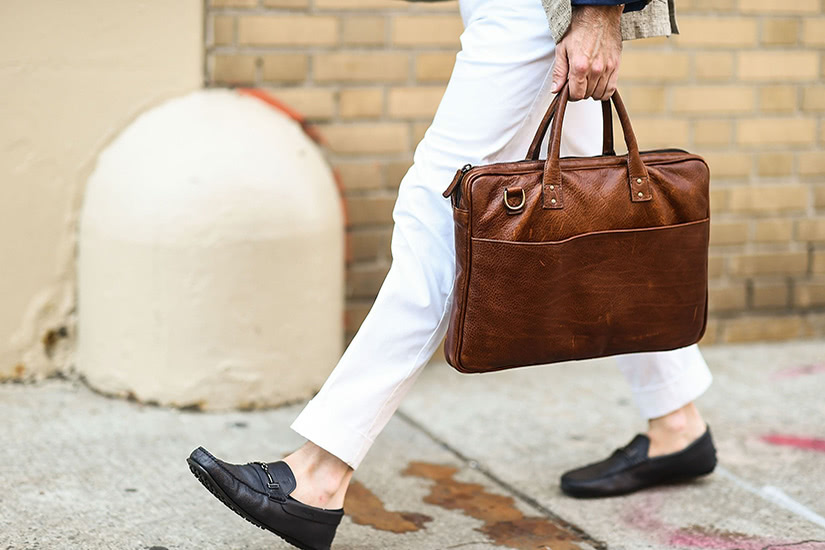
x=210 y=269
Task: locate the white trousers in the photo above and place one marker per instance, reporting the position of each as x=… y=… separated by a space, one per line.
x=496 y=96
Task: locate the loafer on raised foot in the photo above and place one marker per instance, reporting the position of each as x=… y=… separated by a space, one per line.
x=259 y=492
x=629 y=468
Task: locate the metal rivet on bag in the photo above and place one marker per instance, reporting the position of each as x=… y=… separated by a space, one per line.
x=638 y=180
x=552 y=187
x=553 y=201
x=641 y=194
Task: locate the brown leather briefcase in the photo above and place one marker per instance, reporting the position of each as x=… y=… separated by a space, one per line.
x=578 y=257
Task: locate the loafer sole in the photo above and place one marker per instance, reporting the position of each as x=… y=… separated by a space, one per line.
x=206 y=480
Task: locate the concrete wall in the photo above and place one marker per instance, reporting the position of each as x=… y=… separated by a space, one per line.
x=72 y=75
x=743 y=85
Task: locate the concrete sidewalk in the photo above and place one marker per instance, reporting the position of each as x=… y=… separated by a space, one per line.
x=469 y=462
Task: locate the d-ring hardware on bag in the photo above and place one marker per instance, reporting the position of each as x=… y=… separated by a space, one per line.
x=516 y=206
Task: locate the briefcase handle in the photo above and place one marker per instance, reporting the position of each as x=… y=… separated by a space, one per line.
x=552 y=184
x=607 y=130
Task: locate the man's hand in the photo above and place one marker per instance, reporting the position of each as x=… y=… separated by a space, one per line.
x=588 y=55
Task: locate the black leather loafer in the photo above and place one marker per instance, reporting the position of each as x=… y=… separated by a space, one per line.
x=629 y=468
x=259 y=492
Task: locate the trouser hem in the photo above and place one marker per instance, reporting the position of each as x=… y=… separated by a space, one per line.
x=335 y=437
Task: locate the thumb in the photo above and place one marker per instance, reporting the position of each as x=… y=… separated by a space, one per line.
x=560 y=68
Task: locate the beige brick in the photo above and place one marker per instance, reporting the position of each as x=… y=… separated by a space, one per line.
x=809 y=294
x=709 y=132
x=728 y=233
x=775 y=164
x=361 y=67
x=707 y=5
x=716 y=266
x=426 y=30
x=818 y=261
x=414 y=102
x=768 y=198
x=287 y=67
x=775 y=131
x=364 y=280
x=370 y=210
x=813 y=98
x=719 y=198
x=364 y=31
x=811 y=230
x=313 y=103
x=287 y=30
x=358 y=176
x=778 y=98
x=418 y=130
x=665 y=66
x=233 y=3
x=367 y=137
x=767 y=328
x=780 y=31
x=396 y=171
x=714 y=31
x=769 y=295
x=644 y=99
x=813 y=31
x=356 y=4
x=778 y=66
x=726 y=298
x=451 y=6
x=819 y=196
x=713 y=66
x=434 y=66
x=714 y=99
x=361 y=102
x=223 y=30
x=234 y=69
x=728 y=165
x=369 y=243
x=776 y=7
x=812 y=163
x=773 y=230
x=659 y=132
x=289 y=4
x=769 y=263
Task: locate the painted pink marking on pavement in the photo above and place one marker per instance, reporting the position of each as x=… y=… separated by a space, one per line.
x=643 y=514
x=802 y=370
x=710 y=540
x=807 y=443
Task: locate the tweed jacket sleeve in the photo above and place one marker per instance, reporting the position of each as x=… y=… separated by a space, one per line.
x=658 y=18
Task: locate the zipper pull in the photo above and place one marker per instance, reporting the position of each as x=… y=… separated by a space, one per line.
x=459 y=175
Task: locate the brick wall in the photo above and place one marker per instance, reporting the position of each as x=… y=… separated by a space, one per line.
x=744 y=85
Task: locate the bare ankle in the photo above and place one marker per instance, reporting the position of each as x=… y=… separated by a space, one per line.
x=674 y=431
x=322 y=477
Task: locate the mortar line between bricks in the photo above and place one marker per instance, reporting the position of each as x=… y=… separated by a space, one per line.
x=509 y=488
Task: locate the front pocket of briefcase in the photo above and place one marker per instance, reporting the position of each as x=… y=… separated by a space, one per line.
x=591 y=295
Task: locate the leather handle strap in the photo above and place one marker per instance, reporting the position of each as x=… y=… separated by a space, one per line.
x=638 y=178
x=607 y=129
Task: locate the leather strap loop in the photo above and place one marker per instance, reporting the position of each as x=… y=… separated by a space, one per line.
x=638 y=179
